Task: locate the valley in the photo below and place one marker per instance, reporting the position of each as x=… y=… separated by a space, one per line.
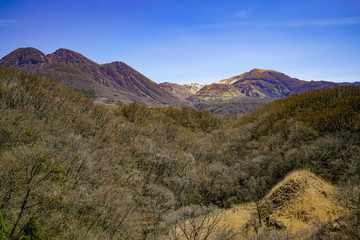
x=180 y=120
x=75 y=169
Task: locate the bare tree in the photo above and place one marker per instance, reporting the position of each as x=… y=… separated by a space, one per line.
x=349 y=197
x=32 y=170
x=256 y=190
x=195 y=223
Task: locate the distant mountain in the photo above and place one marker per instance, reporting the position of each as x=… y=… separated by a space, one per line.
x=184 y=92
x=238 y=94
x=261 y=83
x=216 y=92
x=115 y=80
x=180 y=91
x=194 y=87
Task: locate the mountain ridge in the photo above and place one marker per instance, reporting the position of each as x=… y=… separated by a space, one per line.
x=116 y=81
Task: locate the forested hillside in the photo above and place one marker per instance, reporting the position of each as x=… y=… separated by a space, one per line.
x=73 y=169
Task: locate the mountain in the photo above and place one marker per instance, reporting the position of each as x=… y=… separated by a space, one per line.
x=194 y=87
x=216 y=91
x=116 y=81
x=260 y=83
x=183 y=92
x=26 y=59
x=180 y=91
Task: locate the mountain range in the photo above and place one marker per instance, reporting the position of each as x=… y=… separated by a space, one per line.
x=117 y=81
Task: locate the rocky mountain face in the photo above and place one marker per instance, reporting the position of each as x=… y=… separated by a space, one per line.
x=180 y=91
x=194 y=87
x=113 y=81
x=185 y=92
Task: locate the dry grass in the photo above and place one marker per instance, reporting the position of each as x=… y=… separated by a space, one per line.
x=300 y=203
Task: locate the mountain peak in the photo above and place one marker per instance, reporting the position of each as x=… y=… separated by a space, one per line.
x=64 y=50
x=26 y=50
x=66 y=55
x=257 y=70
x=118 y=63
x=116 y=80
x=27 y=59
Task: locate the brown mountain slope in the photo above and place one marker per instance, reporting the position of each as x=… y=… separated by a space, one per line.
x=72 y=77
x=76 y=60
x=308 y=86
x=265 y=83
x=216 y=91
x=26 y=59
x=180 y=91
x=258 y=84
x=269 y=83
x=194 y=87
x=115 y=80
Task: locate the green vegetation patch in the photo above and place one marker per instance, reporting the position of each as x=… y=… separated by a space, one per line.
x=90 y=93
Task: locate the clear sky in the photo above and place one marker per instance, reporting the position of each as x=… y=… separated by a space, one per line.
x=202 y=41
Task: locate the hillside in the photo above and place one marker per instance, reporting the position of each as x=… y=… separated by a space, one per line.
x=293 y=209
x=180 y=91
x=83 y=170
x=115 y=81
x=232 y=106
x=216 y=92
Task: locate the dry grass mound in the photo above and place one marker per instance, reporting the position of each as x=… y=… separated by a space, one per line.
x=301 y=201
x=295 y=208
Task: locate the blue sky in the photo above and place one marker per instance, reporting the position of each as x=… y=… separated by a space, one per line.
x=195 y=40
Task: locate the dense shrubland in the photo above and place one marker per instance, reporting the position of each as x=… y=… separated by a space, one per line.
x=79 y=170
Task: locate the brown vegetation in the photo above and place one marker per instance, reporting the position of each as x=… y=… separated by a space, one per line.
x=88 y=171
